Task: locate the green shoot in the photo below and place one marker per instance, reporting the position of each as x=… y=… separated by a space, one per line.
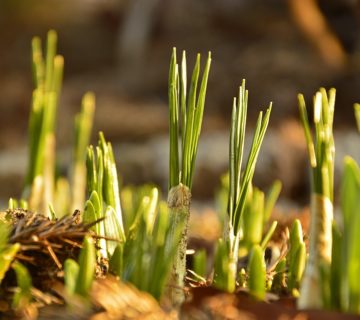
x=116 y=262
x=87 y=261
x=240 y=197
x=252 y=218
x=186 y=109
x=22 y=294
x=7 y=251
x=83 y=126
x=268 y=235
x=295 y=258
x=337 y=277
x=104 y=200
x=223 y=275
x=39 y=186
x=279 y=278
x=350 y=205
x=321 y=154
x=149 y=249
x=200 y=263
x=190 y=110
x=271 y=198
x=257 y=273
x=357 y=115
x=296 y=240
x=296 y=269
x=71 y=273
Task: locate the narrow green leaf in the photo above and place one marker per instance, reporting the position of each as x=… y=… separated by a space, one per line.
x=279 y=280
x=116 y=263
x=306 y=126
x=200 y=263
x=297 y=266
x=296 y=239
x=268 y=235
x=253 y=218
x=87 y=261
x=13 y=204
x=71 y=273
x=7 y=255
x=38 y=66
x=357 y=115
x=51 y=45
x=257 y=273
x=22 y=294
x=112 y=229
x=336 y=277
x=173 y=123
x=4 y=235
x=271 y=199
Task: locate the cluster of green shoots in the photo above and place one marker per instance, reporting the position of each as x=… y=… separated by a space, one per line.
x=144 y=239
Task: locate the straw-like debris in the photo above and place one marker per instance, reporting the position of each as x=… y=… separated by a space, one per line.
x=45 y=244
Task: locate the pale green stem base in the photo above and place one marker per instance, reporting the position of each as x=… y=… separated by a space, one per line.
x=179 y=209
x=311 y=295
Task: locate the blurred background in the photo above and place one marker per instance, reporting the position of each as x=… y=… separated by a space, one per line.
x=120 y=50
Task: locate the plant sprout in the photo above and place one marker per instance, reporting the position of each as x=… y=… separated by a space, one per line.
x=321 y=155
x=83 y=126
x=186 y=110
x=39 y=186
x=240 y=183
x=104 y=201
x=357 y=114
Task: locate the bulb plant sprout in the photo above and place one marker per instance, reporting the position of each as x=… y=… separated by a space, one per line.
x=39 y=188
x=104 y=201
x=240 y=198
x=131 y=236
x=357 y=114
x=186 y=110
x=321 y=154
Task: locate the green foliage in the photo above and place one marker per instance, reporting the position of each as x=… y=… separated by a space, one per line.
x=7 y=251
x=268 y=235
x=350 y=204
x=200 y=263
x=321 y=151
x=223 y=275
x=271 y=198
x=296 y=268
x=116 y=262
x=240 y=182
x=357 y=115
x=336 y=275
x=87 y=261
x=71 y=273
x=22 y=295
x=104 y=200
x=131 y=198
x=279 y=278
x=149 y=249
x=253 y=218
x=247 y=212
x=79 y=276
x=83 y=126
x=47 y=78
x=257 y=273
x=296 y=240
x=186 y=112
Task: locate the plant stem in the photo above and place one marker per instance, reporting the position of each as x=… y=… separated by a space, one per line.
x=179 y=199
x=321 y=154
x=187 y=111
